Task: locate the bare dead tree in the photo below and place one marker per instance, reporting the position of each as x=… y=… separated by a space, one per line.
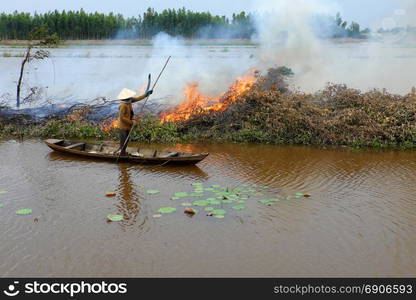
x=38 y=37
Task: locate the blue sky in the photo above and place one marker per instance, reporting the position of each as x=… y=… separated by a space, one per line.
x=366 y=12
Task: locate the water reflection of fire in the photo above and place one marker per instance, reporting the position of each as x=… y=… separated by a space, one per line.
x=196 y=103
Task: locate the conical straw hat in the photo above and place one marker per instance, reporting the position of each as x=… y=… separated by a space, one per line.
x=125 y=94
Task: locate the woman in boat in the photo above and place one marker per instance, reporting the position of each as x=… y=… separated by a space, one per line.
x=126 y=115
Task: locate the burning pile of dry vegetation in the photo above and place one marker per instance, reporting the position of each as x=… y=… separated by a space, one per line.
x=261 y=109
x=337 y=115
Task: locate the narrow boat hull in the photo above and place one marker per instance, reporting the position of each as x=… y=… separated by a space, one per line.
x=142 y=156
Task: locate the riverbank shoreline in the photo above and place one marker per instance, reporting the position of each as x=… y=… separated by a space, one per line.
x=151 y=130
x=268 y=113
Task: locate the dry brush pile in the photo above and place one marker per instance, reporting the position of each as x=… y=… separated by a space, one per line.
x=337 y=115
x=269 y=113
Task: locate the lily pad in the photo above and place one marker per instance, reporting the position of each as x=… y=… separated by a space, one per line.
x=197 y=184
x=2 y=192
x=214 y=202
x=186 y=204
x=299 y=194
x=219 y=212
x=152 y=192
x=25 y=211
x=209 y=208
x=265 y=201
x=274 y=200
x=181 y=194
x=175 y=198
x=208 y=189
x=210 y=199
x=219 y=216
x=115 y=218
x=1 y=205
x=239 y=207
x=166 y=210
x=200 y=203
x=196 y=194
x=190 y=211
x=157 y=216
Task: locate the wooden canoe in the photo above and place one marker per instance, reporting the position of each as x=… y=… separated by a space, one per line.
x=108 y=151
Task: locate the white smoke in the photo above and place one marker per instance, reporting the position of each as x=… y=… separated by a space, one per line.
x=287 y=38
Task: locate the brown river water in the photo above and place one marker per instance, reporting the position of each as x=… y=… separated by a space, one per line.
x=359 y=221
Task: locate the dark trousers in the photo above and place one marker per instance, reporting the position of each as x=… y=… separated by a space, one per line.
x=123 y=140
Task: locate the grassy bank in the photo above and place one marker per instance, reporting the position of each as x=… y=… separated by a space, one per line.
x=268 y=113
x=148 y=130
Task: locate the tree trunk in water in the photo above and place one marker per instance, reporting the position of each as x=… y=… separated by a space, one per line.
x=19 y=82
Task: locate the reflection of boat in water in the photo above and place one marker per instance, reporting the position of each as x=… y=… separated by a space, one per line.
x=108 y=151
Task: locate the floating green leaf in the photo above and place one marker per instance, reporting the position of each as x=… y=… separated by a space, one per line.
x=2 y=192
x=25 y=211
x=197 y=184
x=210 y=199
x=181 y=194
x=215 y=202
x=196 y=194
x=219 y=216
x=265 y=201
x=166 y=210
x=299 y=194
x=152 y=192
x=115 y=218
x=209 y=208
x=1 y=205
x=239 y=207
x=175 y=198
x=219 y=212
x=200 y=203
x=209 y=189
x=157 y=216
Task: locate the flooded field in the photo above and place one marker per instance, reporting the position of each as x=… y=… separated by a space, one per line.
x=82 y=73
x=359 y=221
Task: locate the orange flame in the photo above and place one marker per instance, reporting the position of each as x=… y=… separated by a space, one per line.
x=107 y=126
x=196 y=103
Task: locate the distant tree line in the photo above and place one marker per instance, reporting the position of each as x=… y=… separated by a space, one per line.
x=336 y=27
x=80 y=25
